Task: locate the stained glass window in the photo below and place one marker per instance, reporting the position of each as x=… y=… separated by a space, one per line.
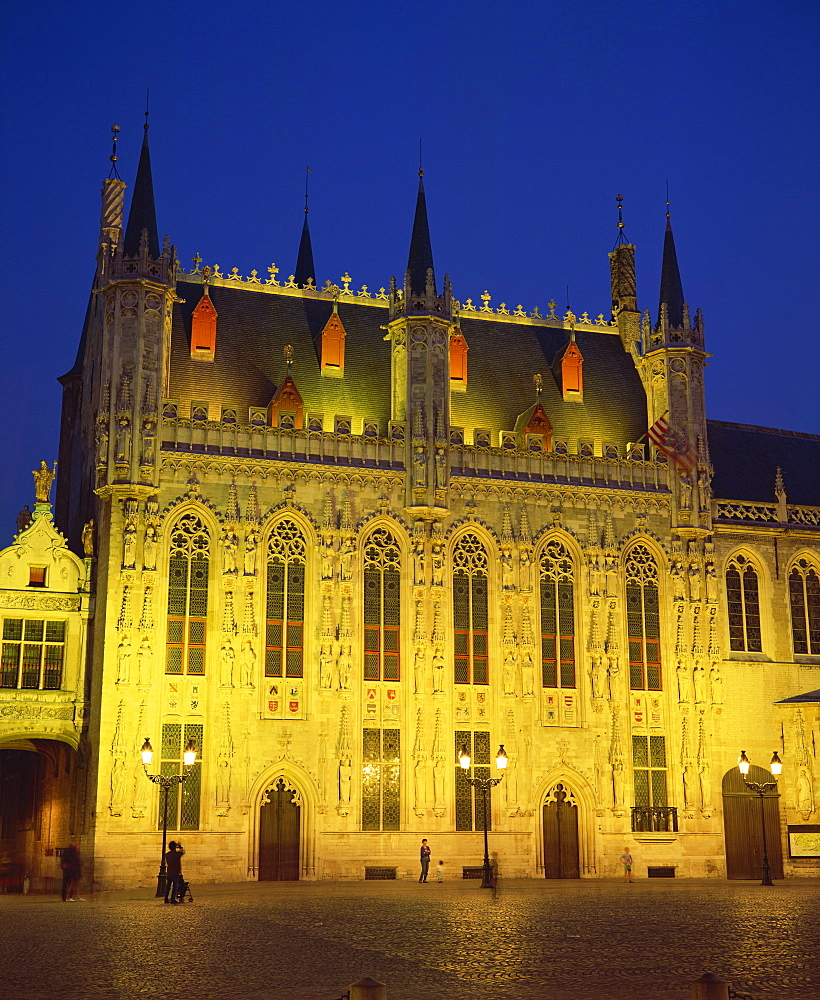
x=649 y=770
x=187 y=596
x=285 y=618
x=32 y=655
x=381 y=779
x=804 y=597
x=743 y=600
x=643 y=620
x=382 y=595
x=470 y=800
x=557 y=616
x=184 y=797
x=470 y=585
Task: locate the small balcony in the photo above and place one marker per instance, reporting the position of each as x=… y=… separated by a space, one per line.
x=654 y=819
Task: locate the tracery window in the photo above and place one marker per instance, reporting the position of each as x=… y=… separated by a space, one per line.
x=743 y=597
x=649 y=770
x=285 y=614
x=804 y=597
x=470 y=800
x=184 y=797
x=382 y=615
x=557 y=616
x=470 y=585
x=32 y=654
x=643 y=620
x=381 y=779
x=187 y=596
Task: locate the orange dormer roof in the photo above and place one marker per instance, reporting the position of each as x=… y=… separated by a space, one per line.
x=539 y=422
x=203 y=329
x=287 y=400
x=572 y=374
x=332 y=346
x=458 y=358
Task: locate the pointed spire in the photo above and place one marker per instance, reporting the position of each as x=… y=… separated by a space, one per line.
x=420 y=259
x=305 y=270
x=671 y=288
x=143 y=214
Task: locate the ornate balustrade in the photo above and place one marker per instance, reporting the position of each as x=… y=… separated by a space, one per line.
x=654 y=819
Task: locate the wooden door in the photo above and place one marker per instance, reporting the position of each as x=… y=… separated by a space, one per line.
x=743 y=827
x=279 y=835
x=561 y=858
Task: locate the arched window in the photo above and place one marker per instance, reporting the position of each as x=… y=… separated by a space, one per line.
x=285 y=606
x=743 y=599
x=643 y=620
x=382 y=589
x=557 y=617
x=804 y=597
x=470 y=579
x=187 y=596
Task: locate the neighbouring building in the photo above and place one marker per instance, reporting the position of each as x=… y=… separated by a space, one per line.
x=338 y=535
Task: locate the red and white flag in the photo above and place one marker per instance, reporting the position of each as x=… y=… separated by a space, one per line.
x=674 y=443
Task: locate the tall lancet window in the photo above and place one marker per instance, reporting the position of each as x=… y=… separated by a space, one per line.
x=285 y=617
x=743 y=598
x=804 y=596
x=470 y=585
x=187 y=596
x=557 y=616
x=382 y=616
x=643 y=620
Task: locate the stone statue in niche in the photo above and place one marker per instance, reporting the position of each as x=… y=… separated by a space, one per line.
x=149 y=430
x=102 y=444
x=510 y=670
x=226 y=658
x=704 y=490
x=419 y=466
x=711 y=583
x=129 y=544
x=223 y=785
x=248 y=661
x=326 y=660
x=618 y=783
x=684 y=683
x=716 y=679
x=43 y=478
x=527 y=672
x=124 y=660
x=347 y=551
x=688 y=790
x=699 y=677
x=250 y=552
x=144 y=661
x=119 y=779
x=345 y=665
x=438 y=784
x=123 y=453
x=438 y=562
x=804 y=793
x=149 y=547
x=705 y=776
x=327 y=557
x=438 y=670
x=507 y=570
x=685 y=491
x=420 y=670
x=599 y=677
x=230 y=546
x=418 y=554
x=420 y=787
x=88 y=539
x=345 y=781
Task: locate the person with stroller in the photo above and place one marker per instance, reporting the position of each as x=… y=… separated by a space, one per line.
x=173 y=873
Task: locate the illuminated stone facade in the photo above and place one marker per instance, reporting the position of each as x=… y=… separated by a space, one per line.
x=334 y=573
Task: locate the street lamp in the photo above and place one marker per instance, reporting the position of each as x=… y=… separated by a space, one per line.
x=484 y=784
x=166 y=781
x=776 y=766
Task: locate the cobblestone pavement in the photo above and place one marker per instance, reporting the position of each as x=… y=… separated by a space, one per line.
x=311 y=940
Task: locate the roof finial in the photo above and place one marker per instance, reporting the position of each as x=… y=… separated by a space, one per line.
x=421 y=167
x=288 y=355
x=147 y=112
x=668 y=213
x=539 y=381
x=112 y=173
x=307 y=171
x=621 y=234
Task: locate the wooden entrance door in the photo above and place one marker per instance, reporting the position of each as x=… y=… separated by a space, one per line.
x=743 y=827
x=561 y=835
x=279 y=834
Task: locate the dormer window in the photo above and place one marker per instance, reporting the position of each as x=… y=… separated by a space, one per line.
x=36 y=576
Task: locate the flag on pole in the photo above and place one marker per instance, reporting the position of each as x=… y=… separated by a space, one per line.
x=674 y=443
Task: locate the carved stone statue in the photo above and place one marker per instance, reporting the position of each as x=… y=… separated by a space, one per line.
x=43 y=478
x=124 y=660
x=250 y=552
x=345 y=666
x=149 y=547
x=88 y=539
x=149 y=429
x=418 y=558
x=119 y=779
x=684 y=683
x=420 y=786
x=704 y=490
x=327 y=557
x=438 y=784
x=599 y=676
x=438 y=670
x=123 y=455
x=223 y=785
x=144 y=661
x=805 y=793
x=510 y=670
x=326 y=664
x=716 y=679
x=527 y=672
x=685 y=491
x=23 y=519
x=699 y=676
x=618 y=782
x=248 y=661
x=226 y=658
x=705 y=776
x=347 y=550
x=129 y=544
x=688 y=790
x=420 y=670
x=508 y=582
x=345 y=780
x=711 y=583
x=230 y=545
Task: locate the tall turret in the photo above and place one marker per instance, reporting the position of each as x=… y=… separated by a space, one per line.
x=420 y=328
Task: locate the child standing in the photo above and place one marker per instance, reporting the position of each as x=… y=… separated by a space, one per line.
x=440 y=872
x=626 y=861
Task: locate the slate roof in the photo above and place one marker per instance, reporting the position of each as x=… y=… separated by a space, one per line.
x=253 y=328
x=746 y=460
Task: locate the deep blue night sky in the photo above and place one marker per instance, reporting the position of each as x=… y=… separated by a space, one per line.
x=533 y=117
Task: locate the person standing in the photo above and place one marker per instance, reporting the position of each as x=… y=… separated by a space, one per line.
x=626 y=861
x=72 y=871
x=424 y=857
x=173 y=872
x=440 y=872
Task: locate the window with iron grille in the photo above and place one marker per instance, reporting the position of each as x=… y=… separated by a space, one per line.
x=557 y=617
x=470 y=800
x=183 y=797
x=743 y=600
x=643 y=620
x=382 y=617
x=33 y=653
x=470 y=587
x=804 y=597
x=187 y=596
x=381 y=779
x=649 y=770
x=285 y=618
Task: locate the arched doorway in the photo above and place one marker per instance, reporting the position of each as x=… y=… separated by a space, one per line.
x=561 y=859
x=279 y=819
x=743 y=829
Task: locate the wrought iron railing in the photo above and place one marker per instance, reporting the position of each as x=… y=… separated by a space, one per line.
x=654 y=819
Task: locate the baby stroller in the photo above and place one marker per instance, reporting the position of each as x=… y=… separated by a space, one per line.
x=185 y=893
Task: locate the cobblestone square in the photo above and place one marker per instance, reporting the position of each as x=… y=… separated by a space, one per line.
x=605 y=940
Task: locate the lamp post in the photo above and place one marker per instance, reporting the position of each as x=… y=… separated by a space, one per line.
x=166 y=781
x=485 y=784
x=776 y=766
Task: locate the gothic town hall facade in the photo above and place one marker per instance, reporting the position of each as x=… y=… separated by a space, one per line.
x=332 y=536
